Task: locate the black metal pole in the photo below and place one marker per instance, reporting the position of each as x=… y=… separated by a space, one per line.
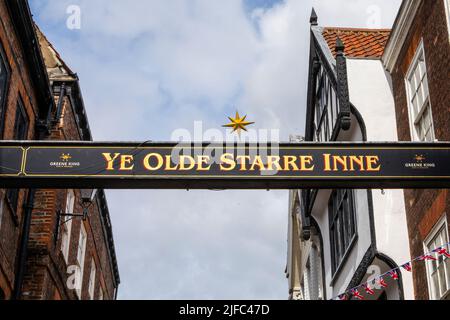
x=23 y=249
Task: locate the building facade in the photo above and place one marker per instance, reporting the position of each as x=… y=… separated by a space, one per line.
x=342 y=238
x=53 y=245
x=25 y=100
x=417 y=57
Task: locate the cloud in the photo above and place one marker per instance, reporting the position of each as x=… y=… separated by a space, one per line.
x=152 y=67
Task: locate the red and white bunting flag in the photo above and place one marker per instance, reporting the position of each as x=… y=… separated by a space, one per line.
x=368 y=289
x=407 y=266
x=442 y=251
x=393 y=274
x=343 y=297
x=427 y=257
x=382 y=283
x=357 y=295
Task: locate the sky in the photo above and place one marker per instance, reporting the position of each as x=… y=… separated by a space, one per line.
x=149 y=69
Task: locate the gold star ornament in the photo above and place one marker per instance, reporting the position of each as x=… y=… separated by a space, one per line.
x=238 y=123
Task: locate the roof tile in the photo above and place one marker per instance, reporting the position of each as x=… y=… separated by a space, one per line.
x=359 y=43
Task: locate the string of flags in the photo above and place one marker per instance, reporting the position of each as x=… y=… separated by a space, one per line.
x=369 y=287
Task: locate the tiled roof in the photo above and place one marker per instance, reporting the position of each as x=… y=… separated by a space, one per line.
x=359 y=43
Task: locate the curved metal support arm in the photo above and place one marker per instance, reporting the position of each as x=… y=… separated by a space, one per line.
x=342 y=86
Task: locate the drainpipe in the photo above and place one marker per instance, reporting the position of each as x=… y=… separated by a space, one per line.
x=23 y=249
x=42 y=130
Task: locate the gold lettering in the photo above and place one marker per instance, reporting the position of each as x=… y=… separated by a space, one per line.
x=359 y=160
x=110 y=160
x=257 y=162
x=274 y=161
x=326 y=162
x=158 y=158
x=242 y=162
x=289 y=161
x=342 y=160
x=183 y=161
x=125 y=162
x=168 y=166
x=227 y=159
x=305 y=161
x=371 y=161
x=201 y=161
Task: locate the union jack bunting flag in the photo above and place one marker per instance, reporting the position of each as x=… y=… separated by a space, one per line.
x=382 y=283
x=357 y=295
x=407 y=266
x=368 y=289
x=442 y=251
x=343 y=297
x=393 y=274
x=427 y=257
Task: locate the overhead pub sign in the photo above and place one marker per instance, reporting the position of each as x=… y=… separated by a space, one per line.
x=124 y=165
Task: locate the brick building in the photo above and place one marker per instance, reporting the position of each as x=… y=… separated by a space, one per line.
x=341 y=239
x=25 y=100
x=417 y=57
x=44 y=252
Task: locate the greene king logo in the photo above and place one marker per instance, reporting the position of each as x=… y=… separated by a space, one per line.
x=420 y=163
x=64 y=162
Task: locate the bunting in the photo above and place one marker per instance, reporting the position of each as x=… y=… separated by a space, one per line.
x=368 y=289
x=442 y=251
x=393 y=273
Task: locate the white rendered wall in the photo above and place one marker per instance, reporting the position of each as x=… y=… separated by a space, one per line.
x=362 y=244
x=371 y=94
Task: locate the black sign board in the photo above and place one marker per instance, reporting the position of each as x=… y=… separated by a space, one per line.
x=237 y=166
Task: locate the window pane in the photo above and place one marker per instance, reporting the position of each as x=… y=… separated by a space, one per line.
x=419 y=96
x=342 y=226
x=435 y=286
x=419 y=101
x=421 y=67
x=412 y=86
x=438 y=271
x=442 y=281
x=415 y=108
x=425 y=87
x=4 y=73
x=447 y=269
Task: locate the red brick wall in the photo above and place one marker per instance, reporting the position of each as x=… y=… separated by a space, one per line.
x=425 y=207
x=19 y=86
x=46 y=268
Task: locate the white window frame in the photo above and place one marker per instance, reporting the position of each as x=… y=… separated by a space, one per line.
x=81 y=253
x=100 y=293
x=91 y=286
x=441 y=224
x=420 y=51
x=2 y=201
x=447 y=14
x=66 y=225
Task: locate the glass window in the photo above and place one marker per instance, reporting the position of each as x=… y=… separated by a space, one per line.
x=100 y=294
x=418 y=99
x=1 y=211
x=91 y=288
x=438 y=271
x=326 y=107
x=4 y=79
x=305 y=282
x=81 y=255
x=20 y=133
x=342 y=224
x=447 y=11
x=67 y=224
